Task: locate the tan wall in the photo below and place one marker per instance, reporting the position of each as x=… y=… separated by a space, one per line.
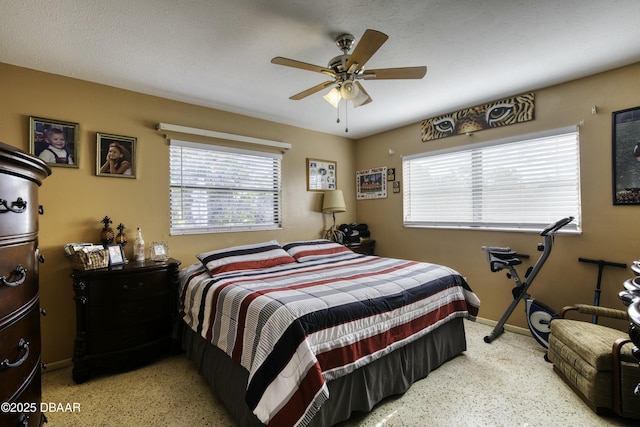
x=76 y=199
x=609 y=232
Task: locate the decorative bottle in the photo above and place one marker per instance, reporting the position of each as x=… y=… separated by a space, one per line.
x=138 y=247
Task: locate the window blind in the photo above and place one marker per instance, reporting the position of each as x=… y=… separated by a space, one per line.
x=216 y=189
x=522 y=184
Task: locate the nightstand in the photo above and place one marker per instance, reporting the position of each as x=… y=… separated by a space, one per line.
x=365 y=247
x=124 y=315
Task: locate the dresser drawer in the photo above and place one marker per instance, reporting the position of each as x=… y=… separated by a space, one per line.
x=20 y=347
x=124 y=287
x=15 y=295
x=128 y=338
x=117 y=314
x=28 y=399
x=20 y=216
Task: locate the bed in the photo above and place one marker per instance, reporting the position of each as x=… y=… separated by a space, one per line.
x=306 y=333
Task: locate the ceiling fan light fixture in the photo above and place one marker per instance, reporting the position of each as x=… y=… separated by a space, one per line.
x=333 y=97
x=360 y=99
x=349 y=90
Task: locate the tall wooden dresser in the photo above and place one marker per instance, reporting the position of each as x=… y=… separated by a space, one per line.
x=20 y=382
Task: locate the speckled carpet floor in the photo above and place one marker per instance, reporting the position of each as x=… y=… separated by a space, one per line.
x=505 y=383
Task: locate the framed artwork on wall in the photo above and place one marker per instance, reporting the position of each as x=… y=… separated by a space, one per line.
x=116 y=156
x=626 y=156
x=321 y=175
x=371 y=183
x=54 y=141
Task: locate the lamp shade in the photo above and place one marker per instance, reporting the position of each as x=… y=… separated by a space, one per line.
x=333 y=201
x=333 y=97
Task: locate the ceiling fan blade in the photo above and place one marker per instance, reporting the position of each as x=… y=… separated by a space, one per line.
x=368 y=45
x=394 y=73
x=311 y=91
x=301 y=65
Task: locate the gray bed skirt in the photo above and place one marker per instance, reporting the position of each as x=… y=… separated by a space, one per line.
x=359 y=391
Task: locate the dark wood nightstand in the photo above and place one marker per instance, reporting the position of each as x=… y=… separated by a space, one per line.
x=365 y=247
x=124 y=315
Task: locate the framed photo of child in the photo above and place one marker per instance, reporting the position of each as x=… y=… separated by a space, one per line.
x=116 y=156
x=54 y=141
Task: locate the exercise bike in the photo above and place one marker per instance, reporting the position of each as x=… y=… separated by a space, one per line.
x=538 y=315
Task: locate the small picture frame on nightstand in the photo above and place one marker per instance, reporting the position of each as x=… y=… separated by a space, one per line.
x=116 y=255
x=159 y=251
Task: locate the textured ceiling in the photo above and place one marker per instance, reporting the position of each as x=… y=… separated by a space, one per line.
x=217 y=53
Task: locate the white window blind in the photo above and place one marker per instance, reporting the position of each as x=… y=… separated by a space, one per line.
x=216 y=189
x=524 y=184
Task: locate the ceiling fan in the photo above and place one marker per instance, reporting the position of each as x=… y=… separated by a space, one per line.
x=347 y=69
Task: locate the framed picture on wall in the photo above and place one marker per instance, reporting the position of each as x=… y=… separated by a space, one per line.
x=54 y=141
x=371 y=183
x=321 y=175
x=116 y=156
x=626 y=156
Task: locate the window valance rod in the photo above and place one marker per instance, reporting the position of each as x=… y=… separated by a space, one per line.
x=223 y=135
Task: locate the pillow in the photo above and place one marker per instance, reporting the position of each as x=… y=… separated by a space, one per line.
x=245 y=257
x=311 y=250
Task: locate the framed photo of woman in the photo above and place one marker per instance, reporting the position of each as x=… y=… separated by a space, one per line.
x=116 y=156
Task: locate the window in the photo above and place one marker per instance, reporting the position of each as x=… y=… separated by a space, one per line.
x=522 y=184
x=215 y=189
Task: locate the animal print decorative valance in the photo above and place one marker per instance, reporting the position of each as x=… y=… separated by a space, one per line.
x=507 y=111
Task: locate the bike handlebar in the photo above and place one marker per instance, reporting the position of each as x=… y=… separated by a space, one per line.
x=553 y=228
x=500 y=257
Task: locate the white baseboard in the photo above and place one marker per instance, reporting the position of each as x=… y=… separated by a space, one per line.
x=510 y=328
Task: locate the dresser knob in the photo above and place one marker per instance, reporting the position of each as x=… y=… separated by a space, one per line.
x=22 y=346
x=127 y=287
x=20 y=271
x=43 y=312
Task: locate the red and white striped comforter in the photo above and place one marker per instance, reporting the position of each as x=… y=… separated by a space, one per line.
x=296 y=326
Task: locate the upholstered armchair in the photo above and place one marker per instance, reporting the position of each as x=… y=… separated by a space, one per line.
x=596 y=361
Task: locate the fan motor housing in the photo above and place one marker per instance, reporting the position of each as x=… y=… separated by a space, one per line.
x=337 y=64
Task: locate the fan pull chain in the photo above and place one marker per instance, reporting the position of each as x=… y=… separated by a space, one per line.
x=346 y=117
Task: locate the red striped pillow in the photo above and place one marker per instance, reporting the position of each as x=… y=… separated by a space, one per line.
x=311 y=250
x=245 y=257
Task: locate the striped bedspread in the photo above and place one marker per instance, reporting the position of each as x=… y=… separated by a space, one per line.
x=296 y=326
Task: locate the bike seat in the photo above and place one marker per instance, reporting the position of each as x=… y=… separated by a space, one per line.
x=498 y=263
x=500 y=257
x=502 y=253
